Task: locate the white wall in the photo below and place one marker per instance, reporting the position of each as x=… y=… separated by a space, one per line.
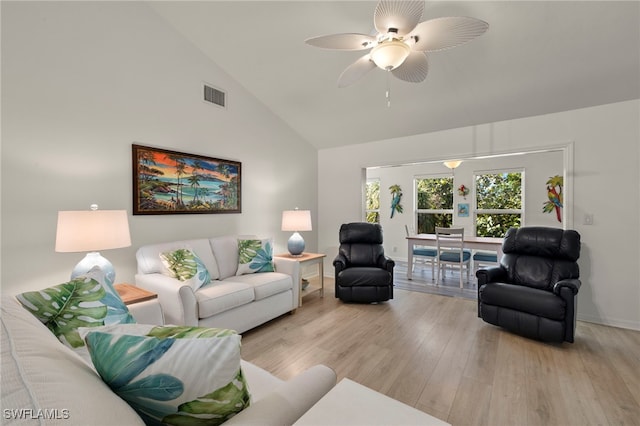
x=536 y=167
x=81 y=82
x=605 y=177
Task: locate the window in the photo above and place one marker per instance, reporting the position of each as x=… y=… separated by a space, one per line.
x=373 y=201
x=434 y=203
x=499 y=198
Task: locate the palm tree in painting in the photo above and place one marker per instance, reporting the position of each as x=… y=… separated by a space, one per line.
x=225 y=170
x=194 y=182
x=180 y=170
x=145 y=165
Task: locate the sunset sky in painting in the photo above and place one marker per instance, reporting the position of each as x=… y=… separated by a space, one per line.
x=168 y=166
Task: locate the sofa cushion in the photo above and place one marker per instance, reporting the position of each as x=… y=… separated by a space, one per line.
x=149 y=262
x=86 y=301
x=255 y=255
x=39 y=373
x=264 y=285
x=172 y=375
x=225 y=249
x=221 y=296
x=184 y=265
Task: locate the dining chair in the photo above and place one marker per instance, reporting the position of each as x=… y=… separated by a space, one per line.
x=422 y=254
x=450 y=247
x=482 y=259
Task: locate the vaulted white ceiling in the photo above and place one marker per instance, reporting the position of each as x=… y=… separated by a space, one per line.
x=537 y=57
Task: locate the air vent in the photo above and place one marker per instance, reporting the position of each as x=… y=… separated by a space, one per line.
x=215 y=96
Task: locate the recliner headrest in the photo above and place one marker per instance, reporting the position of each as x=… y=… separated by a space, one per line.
x=360 y=233
x=542 y=241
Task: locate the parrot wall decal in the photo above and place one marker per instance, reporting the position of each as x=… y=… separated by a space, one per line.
x=396 y=196
x=554 y=193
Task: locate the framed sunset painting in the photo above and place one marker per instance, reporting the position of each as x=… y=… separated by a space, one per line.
x=171 y=182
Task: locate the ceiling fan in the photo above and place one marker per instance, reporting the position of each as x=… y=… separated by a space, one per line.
x=402 y=41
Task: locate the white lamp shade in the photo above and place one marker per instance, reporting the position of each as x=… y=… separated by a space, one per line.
x=296 y=220
x=92 y=230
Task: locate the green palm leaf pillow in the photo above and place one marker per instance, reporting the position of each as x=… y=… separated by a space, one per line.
x=86 y=301
x=184 y=265
x=255 y=256
x=172 y=375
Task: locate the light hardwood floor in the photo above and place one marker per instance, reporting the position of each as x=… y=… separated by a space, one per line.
x=433 y=353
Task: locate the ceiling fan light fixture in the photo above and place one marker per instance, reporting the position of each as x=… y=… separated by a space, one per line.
x=390 y=54
x=452 y=164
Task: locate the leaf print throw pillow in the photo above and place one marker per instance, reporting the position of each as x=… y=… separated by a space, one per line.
x=184 y=265
x=86 y=301
x=255 y=256
x=172 y=375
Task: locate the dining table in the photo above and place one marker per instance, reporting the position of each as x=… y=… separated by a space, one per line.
x=470 y=242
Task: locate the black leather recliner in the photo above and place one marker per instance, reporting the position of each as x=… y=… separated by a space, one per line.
x=534 y=291
x=362 y=272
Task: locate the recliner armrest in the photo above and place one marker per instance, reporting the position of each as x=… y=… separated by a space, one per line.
x=572 y=283
x=386 y=263
x=340 y=263
x=489 y=275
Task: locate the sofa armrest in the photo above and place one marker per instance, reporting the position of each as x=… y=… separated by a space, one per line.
x=289 y=401
x=179 y=304
x=290 y=267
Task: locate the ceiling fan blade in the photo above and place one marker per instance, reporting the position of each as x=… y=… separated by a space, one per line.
x=356 y=71
x=445 y=33
x=346 y=41
x=414 y=69
x=401 y=15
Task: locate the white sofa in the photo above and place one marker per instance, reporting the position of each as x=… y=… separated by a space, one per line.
x=46 y=383
x=235 y=302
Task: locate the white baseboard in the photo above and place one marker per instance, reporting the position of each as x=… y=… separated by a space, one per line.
x=613 y=322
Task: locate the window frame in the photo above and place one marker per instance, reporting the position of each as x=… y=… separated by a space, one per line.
x=521 y=211
x=366 y=199
x=417 y=211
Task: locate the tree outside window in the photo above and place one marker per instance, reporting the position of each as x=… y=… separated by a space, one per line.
x=434 y=203
x=499 y=198
x=373 y=201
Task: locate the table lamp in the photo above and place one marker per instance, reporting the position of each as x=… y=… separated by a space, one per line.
x=90 y=231
x=296 y=220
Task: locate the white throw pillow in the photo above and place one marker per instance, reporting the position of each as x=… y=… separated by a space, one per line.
x=172 y=375
x=184 y=265
x=255 y=256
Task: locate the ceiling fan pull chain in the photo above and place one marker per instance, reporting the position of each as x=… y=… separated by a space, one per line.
x=388 y=89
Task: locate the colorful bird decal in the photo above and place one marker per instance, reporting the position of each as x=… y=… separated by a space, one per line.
x=554 y=192
x=396 y=193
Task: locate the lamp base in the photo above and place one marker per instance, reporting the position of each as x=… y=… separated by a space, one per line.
x=295 y=245
x=94 y=259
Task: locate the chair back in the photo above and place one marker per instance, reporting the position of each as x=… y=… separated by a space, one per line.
x=409 y=230
x=450 y=239
x=538 y=257
x=361 y=243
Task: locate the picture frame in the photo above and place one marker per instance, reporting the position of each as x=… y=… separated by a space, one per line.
x=172 y=182
x=463 y=210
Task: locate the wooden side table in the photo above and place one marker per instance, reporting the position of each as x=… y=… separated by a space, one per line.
x=143 y=305
x=308 y=259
